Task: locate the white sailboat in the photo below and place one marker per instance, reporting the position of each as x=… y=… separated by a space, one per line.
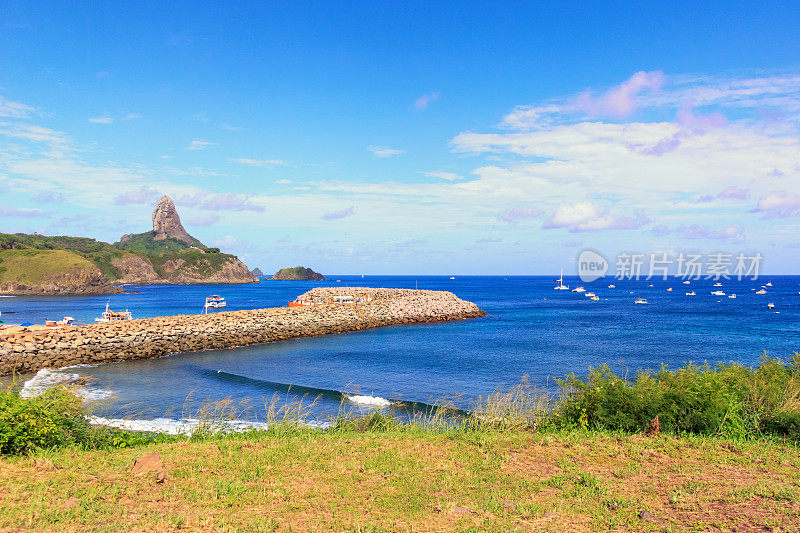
x=561 y=286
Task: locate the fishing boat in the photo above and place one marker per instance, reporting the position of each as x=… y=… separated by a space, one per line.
x=641 y=301
x=66 y=321
x=732 y=296
x=718 y=293
x=300 y=302
x=214 y=302
x=761 y=291
x=113 y=316
x=579 y=289
x=691 y=293
x=560 y=280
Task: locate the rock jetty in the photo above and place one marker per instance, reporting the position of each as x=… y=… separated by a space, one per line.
x=25 y=352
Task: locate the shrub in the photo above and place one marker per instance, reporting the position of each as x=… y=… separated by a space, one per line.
x=729 y=399
x=53 y=419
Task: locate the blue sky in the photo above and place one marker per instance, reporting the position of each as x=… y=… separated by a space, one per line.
x=466 y=138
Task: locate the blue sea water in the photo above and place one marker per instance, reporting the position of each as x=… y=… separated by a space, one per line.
x=530 y=330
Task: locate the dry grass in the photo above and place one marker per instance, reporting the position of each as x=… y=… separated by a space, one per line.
x=411 y=480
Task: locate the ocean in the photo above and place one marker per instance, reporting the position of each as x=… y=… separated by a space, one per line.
x=530 y=330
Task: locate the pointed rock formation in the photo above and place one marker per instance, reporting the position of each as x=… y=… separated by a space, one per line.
x=167 y=223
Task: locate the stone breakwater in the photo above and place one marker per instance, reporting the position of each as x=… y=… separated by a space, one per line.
x=26 y=352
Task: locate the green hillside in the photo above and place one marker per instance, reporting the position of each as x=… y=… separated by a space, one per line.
x=32 y=266
x=145 y=243
x=32 y=258
x=98 y=252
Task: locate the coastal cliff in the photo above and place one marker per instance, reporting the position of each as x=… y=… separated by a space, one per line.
x=24 y=352
x=41 y=265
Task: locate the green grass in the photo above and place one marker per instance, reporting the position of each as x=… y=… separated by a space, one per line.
x=31 y=266
x=521 y=461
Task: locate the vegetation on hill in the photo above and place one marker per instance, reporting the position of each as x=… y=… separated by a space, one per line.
x=31 y=266
x=31 y=259
x=100 y=253
x=189 y=260
x=145 y=243
x=298 y=273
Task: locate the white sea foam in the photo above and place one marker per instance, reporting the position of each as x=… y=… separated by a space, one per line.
x=185 y=426
x=47 y=378
x=371 y=401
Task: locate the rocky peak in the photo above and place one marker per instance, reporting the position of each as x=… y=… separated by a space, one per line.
x=167 y=223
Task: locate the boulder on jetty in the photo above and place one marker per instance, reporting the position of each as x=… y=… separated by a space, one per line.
x=29 y=351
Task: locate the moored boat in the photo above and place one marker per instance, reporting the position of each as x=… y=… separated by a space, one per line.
x=762 y=291
x=560 y=280
x=641 y=301
x=113 y=316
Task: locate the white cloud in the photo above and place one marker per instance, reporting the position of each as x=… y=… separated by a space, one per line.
x=425 y=100
x=778 y=204
x=384 y=151
x=14 y=109
x=199 y=144
x=103 y=119
x=144 y=195
x=449 y=176
x=342 y=213
x=6 y=211
x=261 y=162
x=515 y=214
x=586 y=216
x=231 y=201
x=203 y=220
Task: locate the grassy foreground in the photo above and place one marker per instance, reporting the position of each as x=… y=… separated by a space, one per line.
x=696 y=448
x=410 y=480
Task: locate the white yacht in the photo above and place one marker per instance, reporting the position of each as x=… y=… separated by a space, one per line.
x=612 y=286
x=718 y=284
x=561 y=286
x=762 y=291
x=732 y=296
x=691 y=293
x=718 y=293
x=770 y=305
x=578 y=289
x=686 y=282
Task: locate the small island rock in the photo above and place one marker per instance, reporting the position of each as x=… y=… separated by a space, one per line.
x=298 y=273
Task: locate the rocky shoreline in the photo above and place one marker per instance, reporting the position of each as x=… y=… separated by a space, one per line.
x=26 y=352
